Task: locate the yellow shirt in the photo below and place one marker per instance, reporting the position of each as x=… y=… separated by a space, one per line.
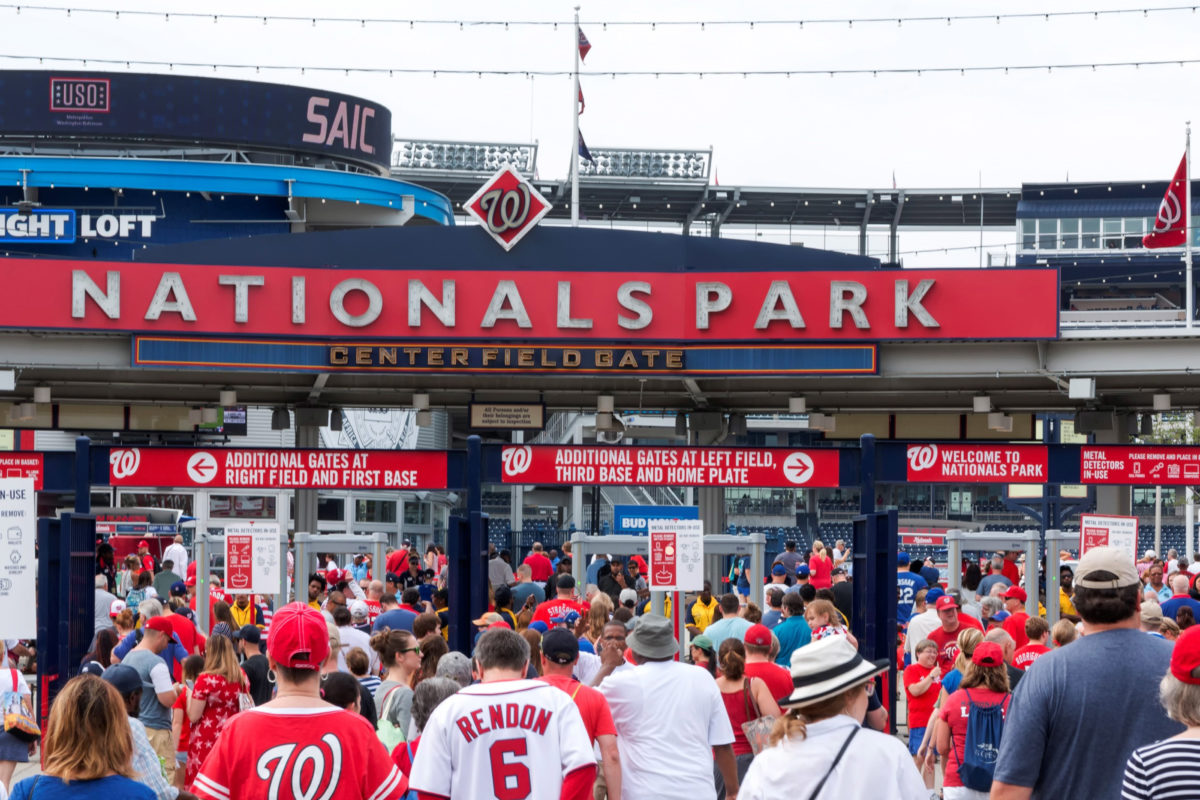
x=314 y=604
x=666 y=606
x=242 y=618
x=1065 y=606
x=702 y=614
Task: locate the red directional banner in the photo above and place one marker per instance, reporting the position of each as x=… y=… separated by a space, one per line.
x=1140 y=466
x=669 y=466
x=977 y=463
x=229 y=468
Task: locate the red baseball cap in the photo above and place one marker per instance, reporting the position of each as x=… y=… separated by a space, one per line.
x=758 y=635
x=1016 y=593
x=946 y=601
x=160 y=624
x=299 y=637
x=988 y=654
x=144 y=543
x=1185 y=658
x=333 y=576
x=191 y=570
x=191 y=581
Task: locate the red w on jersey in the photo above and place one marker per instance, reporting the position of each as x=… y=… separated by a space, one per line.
x=298 y=754
x=509 y=740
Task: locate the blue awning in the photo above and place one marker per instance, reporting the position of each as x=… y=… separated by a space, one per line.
x=1062 y=209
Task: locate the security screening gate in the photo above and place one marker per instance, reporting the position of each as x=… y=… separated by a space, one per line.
x=715 y=544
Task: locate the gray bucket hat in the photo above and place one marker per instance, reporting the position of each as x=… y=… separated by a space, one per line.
x=653 y=637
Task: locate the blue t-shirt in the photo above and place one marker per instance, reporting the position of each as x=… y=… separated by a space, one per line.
x=908 y=584
x=792 y=633
x=951 y=681
x=397 y=619
x=1080 y=711
x=427 y=590
x=1172 y=606
x=52 y=788
x=172 y=654
x=772 y=618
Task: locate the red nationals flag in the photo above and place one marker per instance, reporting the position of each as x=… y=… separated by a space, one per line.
x=1170 y=227
x=584 y=45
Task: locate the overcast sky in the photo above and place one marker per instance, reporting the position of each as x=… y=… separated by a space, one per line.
x=809 y=131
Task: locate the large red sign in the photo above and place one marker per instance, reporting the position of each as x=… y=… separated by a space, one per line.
x=277 y=469
x=669 y=466
x=1140 y=466
x=23 y=465
x=536 y=305
x=977 y=463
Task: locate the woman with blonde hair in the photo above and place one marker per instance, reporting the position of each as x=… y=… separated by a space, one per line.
x=820 y=567
x=88 y=747
x=819 y=747
x=597 y=617
x=213 y=700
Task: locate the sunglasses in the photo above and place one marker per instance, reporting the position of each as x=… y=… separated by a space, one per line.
x=416 y=650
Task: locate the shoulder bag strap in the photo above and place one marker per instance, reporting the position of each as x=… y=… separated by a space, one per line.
x=832 y=766
x=753 y=701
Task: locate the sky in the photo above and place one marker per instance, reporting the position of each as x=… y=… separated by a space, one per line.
x=936 y=130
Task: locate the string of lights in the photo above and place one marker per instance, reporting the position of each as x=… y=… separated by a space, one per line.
x=752 y=24
x=1005 y=69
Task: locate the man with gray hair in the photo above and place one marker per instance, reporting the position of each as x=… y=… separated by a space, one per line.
x=505 y=736
x=457 y=667
x=173 y=653
x=104 y=601
x=667 y=754
x=1008 y=647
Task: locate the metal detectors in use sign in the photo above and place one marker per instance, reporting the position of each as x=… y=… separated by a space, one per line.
x=1096 y=530
x=676 y=555
x=1140 y=466
x=229 y=468
x=669 y=466
x=252 y=558
x=977 y=463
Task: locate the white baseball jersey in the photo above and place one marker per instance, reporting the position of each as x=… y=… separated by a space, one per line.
x=507 y=740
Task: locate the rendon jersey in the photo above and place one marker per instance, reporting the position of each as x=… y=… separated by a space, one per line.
x=508 y=740
x=298 y=754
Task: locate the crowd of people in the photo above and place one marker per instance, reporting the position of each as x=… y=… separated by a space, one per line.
x=580 y=691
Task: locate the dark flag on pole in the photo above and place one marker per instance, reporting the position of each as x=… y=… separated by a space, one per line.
x=1170 y=226
x=584 y=44
x=584 y=153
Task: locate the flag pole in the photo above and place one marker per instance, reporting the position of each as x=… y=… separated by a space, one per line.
x=1187 y=226
x=575 y=127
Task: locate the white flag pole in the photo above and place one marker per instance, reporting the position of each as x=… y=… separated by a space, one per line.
x=1187 y=224
x=575 y=127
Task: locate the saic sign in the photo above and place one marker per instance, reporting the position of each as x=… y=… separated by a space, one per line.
x=62 y=226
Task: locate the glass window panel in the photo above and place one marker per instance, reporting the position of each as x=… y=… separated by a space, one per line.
x=183 y=502
x=416 y=514
x=1133 y=233
x=331 y=509
x=241 y=506
x=1047 y=234
x=375 y=511
x=1027 y=234
x=1112 y=234
x=1091 y=233
x=1069 y=238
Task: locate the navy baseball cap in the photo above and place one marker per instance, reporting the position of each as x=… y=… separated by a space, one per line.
x=901 y=558
x=560 y=646
x=124 y=677
x=248 y=633
x=802 y=570
x=178 y=589
x=779 y=569
x=933 y=594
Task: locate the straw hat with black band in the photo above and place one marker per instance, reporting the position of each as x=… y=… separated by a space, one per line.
x=825 y=669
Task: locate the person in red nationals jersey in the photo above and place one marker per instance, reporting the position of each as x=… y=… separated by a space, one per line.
x=297 y=746
x=505 y=737
x=561 y=605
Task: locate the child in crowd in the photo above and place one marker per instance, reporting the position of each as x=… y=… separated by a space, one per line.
x=180 y=725
x=359 y=663
x=824 y=619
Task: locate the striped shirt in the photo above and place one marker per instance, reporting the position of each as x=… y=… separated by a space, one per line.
x=1165 y=770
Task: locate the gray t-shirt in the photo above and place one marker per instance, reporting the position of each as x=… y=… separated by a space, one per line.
x=104 y=601
x=153 y=714
x=1080 y=711
x=398 y=707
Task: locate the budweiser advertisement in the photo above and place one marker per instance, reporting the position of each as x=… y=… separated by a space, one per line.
x=230 y=468
x=977 y=463
x=23 y=465
x=1140 y=466
x=669 y=466
x=536 y=305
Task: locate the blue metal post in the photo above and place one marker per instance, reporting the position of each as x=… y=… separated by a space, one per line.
x=866 y=500
x=466 y=548
x=83 y=475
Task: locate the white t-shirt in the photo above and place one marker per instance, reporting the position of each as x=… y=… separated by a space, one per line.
x=353 y=637
x=502 y=739
x=177 y=554
x=160 y=676
x=666 y=754
x=919 y=627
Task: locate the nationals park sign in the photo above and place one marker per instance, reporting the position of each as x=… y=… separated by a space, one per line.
x=734 y=307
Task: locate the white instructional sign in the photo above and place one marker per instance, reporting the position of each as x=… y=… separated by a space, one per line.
x=18 y=569
x=676 y=555
x=1096 y=530
x=252 y=558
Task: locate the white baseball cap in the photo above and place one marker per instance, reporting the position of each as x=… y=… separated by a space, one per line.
x=358 y=610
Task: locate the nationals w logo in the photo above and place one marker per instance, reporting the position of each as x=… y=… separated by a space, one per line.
x=508 y=206
x=312 y=773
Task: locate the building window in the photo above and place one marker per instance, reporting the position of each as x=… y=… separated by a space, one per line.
x=1091 y=233
x=1070 y=234
x=1112 y=234
x=1028 y=240
x=331 y=509
x=1047 y=234
x=241 y=506
x=375 y=511
x=1133 y=233
x=183 y=502
x=416 y=514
